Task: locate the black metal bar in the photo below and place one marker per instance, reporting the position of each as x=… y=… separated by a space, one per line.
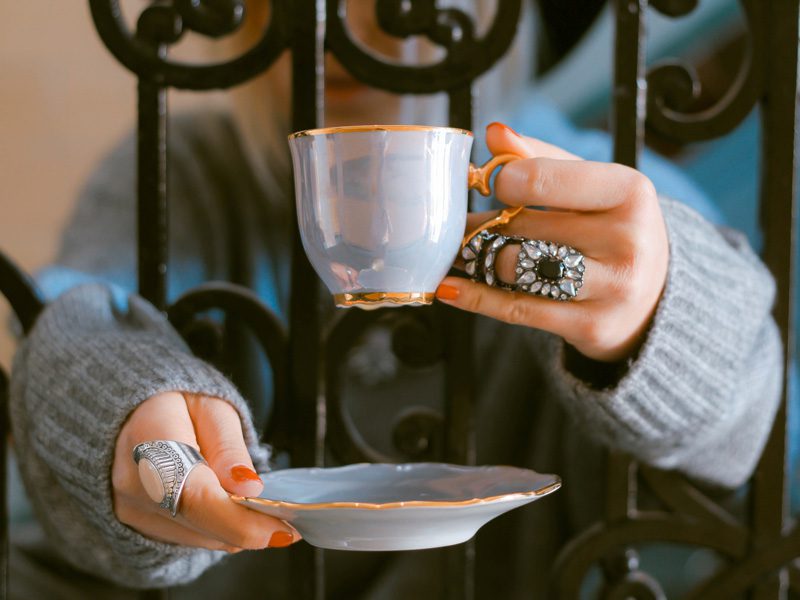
x=5 y=430
x=459 y=580
x=171 y=20
x=778 y=218
x=152 y=193
x=627 y=123
x=21 y=292
x=627 y=117
x=307 y=436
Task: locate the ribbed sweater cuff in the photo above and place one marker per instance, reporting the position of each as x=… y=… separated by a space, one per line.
x=684 y=377
x=85 y=367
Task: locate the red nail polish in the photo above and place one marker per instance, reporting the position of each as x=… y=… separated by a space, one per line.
x=242 y=473
x=281 y=539
x=447 y=292
x=504 y=127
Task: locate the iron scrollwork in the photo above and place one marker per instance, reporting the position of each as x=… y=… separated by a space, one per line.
x=419 y=340
x=164 y=23
x=753 y=551
x=672 y=86
x=466 y=58
x=267 y=327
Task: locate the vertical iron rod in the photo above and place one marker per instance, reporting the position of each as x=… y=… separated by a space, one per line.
x=628 y=107
x=459 y=579
x=778 y=211
x=152 y=193
x=627 y=125
x=307 y=437
x=5 y=430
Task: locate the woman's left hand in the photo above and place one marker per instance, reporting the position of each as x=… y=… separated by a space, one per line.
x=608 y=212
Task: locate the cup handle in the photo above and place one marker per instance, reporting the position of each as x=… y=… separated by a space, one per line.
x=478 y=179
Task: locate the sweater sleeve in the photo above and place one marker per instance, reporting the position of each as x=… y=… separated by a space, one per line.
x=86 y=365
x=96 y=353
x=703 y=391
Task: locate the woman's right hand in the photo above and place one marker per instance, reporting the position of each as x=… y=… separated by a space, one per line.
x=207 y=517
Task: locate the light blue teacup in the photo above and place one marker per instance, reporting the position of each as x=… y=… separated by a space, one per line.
x=382 y=208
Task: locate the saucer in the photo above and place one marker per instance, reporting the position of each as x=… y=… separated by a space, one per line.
x=395 y=507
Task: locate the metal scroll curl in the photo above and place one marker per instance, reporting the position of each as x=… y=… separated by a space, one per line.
x=416 y=341
x=466 y=58
x=261 y=321
x=604 y=539
x=671 y=86
x=164 y=23
x=26 y=300
x=695 y=520
x=674 y=8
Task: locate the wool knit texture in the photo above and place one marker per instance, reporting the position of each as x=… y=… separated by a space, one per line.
x=699 y=397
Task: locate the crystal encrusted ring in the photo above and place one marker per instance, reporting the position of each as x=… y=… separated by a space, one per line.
x=549 y=269
x=543 y=268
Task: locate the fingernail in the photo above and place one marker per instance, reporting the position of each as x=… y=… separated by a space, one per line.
x=241 y=473
x=447 y=292
x=505 y=127
x=281 y=539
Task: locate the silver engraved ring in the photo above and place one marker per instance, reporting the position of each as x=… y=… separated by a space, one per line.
x=164 y=466
x=543 y=268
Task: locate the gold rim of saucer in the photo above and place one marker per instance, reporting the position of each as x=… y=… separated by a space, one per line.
x=393 y=298
x=542 y=491
x=357 y=128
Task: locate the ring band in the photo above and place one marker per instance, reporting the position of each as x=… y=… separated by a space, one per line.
x=164 y=466
x=543 y=268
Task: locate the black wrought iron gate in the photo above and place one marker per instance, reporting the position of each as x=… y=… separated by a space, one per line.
x=760 y=552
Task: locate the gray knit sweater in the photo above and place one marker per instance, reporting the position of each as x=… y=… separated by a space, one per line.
x=700 y=397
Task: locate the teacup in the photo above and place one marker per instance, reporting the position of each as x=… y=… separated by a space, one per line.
x=382 y=208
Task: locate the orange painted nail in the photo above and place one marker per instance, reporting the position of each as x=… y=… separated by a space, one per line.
x=505 y=127
x=447 y=292
x=281 y=539
x=242 y=473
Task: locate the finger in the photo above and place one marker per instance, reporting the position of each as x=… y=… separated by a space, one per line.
x=206 y=507
x=160 y=417
x=576 y=185
x=592 y=286
x=517 y=308
x=164 y=528
x=501 y=139
x=218 y=428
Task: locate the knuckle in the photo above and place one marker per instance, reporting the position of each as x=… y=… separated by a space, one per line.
x=249 y=539
x=517 y=312
x=640 y=190
x=473 y=301
x=537 y=179
x=592 y=331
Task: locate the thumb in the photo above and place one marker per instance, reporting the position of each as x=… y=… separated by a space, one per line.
x=501 y=139
x=218 y=428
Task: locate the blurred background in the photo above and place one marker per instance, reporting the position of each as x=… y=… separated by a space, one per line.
x=64 y=101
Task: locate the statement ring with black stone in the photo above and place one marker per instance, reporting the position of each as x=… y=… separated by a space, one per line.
x=164 y=466
x=543 y=268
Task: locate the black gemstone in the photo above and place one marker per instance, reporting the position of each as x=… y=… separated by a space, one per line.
x=550 y=268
